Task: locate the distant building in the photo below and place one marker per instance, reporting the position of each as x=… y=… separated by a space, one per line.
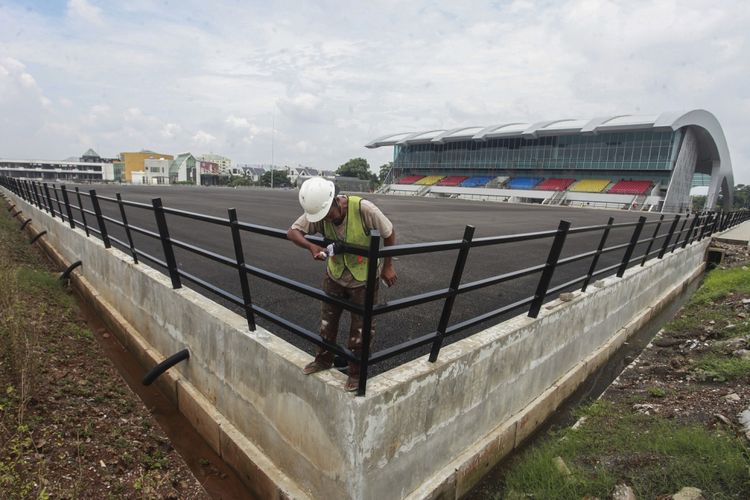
x=252 y=172
x=135 y=162
x=224 y=163
x=300 y=174
x=88 y=168
x=156 y=171
x=183 y=169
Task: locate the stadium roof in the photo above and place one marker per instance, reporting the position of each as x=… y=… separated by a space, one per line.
x=615 y=123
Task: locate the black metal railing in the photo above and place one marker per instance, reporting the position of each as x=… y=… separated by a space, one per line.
x=680 y=233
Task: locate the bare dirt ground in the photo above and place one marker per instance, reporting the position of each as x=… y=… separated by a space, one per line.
x=672 y=378
x=69 y=425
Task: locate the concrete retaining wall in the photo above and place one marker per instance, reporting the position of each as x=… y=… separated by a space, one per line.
x=423 y=430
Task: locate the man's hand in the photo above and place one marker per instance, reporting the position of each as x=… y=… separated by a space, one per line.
x=388 y=274
x=318 y=253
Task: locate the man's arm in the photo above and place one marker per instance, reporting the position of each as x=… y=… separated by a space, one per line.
x=388 y=274
x=298 y=238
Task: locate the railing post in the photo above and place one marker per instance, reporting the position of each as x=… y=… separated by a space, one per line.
x=690 y=231
x=679 y=234
x=83 y=213
x=32 y=194
x=669 y=236
x=631 y=247
x=715 y=225
x=549 y=268
x=653 y=238
x=99 y=218
x=39 y=197
x=372 y=286
x=458 y=271
x=595 y=260
x=704 y=226
x=161 y=223
x=49 y=200
x=127 y=227
x=59 y=206
x=67 y=206
x=240 y=255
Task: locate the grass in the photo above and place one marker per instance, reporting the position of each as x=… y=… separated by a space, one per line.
x=715 y=368
x=652 y=455
x=719 y=283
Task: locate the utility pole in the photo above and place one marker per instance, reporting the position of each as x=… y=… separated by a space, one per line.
x=273 y=134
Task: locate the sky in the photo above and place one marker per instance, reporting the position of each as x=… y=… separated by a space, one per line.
x=311 y=82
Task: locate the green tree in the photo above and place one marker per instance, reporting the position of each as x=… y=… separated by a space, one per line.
x=385 y=169
x=280 y=179
x=698 y=202
x=356 y=167
x=742 y=196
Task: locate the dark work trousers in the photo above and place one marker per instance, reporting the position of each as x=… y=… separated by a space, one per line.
x=330 y=314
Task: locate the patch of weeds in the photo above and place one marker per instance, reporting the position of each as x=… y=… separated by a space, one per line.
x=76 y=331
x=654 y=456
x=156 y=460
x=657 y=392
x=720 y=283
x=715 y=368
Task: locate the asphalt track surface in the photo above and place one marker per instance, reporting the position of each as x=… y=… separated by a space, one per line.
x=416 y=220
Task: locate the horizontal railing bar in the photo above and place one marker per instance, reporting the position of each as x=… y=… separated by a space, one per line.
x=205 y=253
x=304 y=333
x=494 y=280
x=144 y=232
x=196 y=216
x=150 y=257
x=303 y=288
x=422 y=298
x=614 y=248
x=574 y=258
x=402 y=347
x=498 y=240
x=565 y=285
x=119 y=242
x=487 y=316
x=605 y=270
x=212 y=288
x=265 y=230
x=418 y=248
x=136 y=204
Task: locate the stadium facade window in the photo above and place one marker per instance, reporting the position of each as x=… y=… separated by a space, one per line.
x=639 y=150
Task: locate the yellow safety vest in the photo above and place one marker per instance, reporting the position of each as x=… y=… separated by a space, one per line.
x=356 y=234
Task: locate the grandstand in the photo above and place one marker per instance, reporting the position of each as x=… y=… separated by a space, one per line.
x=624 y=161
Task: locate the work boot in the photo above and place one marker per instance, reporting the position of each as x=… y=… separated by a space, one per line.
x=317 y=365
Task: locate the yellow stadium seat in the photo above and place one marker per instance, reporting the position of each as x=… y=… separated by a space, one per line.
x=590 y=186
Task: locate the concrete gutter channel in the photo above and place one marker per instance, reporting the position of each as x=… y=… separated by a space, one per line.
x=424 y=430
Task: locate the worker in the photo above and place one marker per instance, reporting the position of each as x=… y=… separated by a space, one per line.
x=341 y=219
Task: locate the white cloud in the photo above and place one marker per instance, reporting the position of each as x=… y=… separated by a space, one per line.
x=321 y=80
x=203 y=138
x=83 y=10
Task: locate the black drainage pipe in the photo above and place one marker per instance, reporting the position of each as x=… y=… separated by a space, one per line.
x=65 y=276
x=16 y=214
x=24 y=224
x=165 y=365
x=33 y=240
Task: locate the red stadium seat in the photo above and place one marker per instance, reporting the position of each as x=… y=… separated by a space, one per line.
x=555 y=184
x=410 y=179
x=630 y=187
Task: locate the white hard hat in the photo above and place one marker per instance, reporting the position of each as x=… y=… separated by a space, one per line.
x=316 y=196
